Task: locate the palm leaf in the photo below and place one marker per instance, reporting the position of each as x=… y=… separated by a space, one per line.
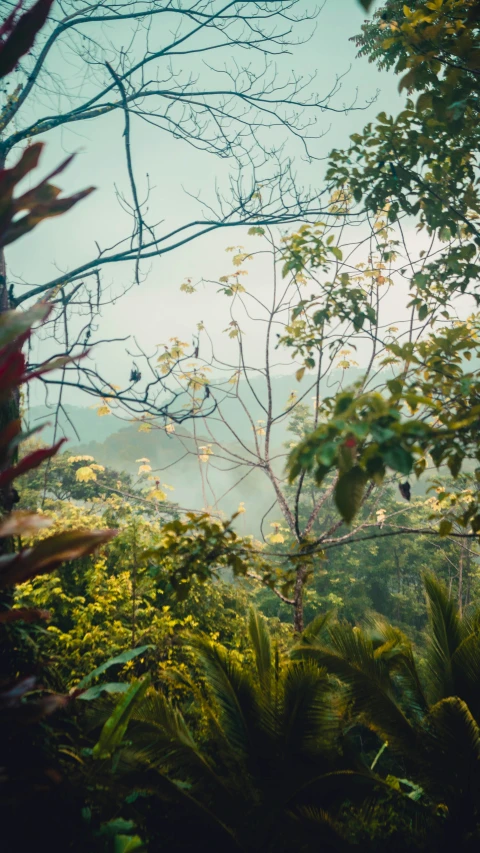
x=455 y=768
x=465 y=664
x=445 y=636
x=310 y=716
x=261 y=644
x=351 y=656
x=234 y=693
x=316 y=628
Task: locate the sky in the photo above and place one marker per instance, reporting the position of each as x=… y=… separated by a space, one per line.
x=157 y=309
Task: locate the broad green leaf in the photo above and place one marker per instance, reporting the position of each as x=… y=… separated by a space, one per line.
x=111 y=687
x=445 y=527
x=349 y=492
x=121 y=659
x=115 y=727
x=398 y=458
x=128 y=844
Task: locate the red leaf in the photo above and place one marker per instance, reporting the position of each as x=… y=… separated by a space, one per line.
x=8 y=23
x=15 y=326
x=22 y=34
x=37 y=214
x=28 y=161
x=12 y=695
x=32 y=460
x=19 y=523
x=24 y=614
x=7 y=435
x=11 y=371
x=47 y=555
x=54 y=364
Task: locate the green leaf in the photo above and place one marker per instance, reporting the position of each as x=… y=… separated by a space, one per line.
x=422 y=312
x=326 y=453
x=115 y=727
x=398 y=458
x=349 y=492
x=128 y=844
x=111 y=687
x=116 y=826
x=445 y=527
x=121 y=659
x=376 y=469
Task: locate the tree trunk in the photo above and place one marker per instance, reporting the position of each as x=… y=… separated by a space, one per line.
x=460 y=579
x=9 y=411
x=10 y=407
x=298 y=599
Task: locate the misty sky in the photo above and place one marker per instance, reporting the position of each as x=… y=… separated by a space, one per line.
x=157 y=309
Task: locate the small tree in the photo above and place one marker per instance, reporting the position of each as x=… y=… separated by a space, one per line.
x=252 y=426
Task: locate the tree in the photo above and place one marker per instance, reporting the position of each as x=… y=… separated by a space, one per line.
x=421 y=164
x=219 y=107
x=384 y=574
x=245 y=440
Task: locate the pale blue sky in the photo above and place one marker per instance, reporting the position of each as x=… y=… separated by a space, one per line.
x=157 y=309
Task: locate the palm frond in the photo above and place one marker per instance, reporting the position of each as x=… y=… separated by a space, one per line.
x=445 y=636
x=311 y=718
x=262 y=647
x=162 y=736
x=456 y=731
x=234 y=693
x=454 y=770
x=314 y=630
x=351 y=656
x=466 y=671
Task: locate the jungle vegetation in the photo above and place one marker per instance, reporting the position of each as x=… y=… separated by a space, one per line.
x=168 y=679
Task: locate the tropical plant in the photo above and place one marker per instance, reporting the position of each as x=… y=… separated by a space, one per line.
x=260 y=775
x=427 y=716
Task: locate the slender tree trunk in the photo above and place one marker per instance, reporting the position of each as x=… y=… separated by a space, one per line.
x=468 y=576
x=10 y=407
x=298 y=599
x=460 y=578
x=134 y=585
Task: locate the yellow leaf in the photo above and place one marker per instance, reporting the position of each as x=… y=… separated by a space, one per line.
x=83 y=475
x=276 y=537
x=144 y=469
x=299 y=374
x=157 y=495
x=103 y=410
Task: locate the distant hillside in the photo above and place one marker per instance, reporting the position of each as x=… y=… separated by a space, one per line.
x=82 y=424
x=78 y=425
x=174 y=457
